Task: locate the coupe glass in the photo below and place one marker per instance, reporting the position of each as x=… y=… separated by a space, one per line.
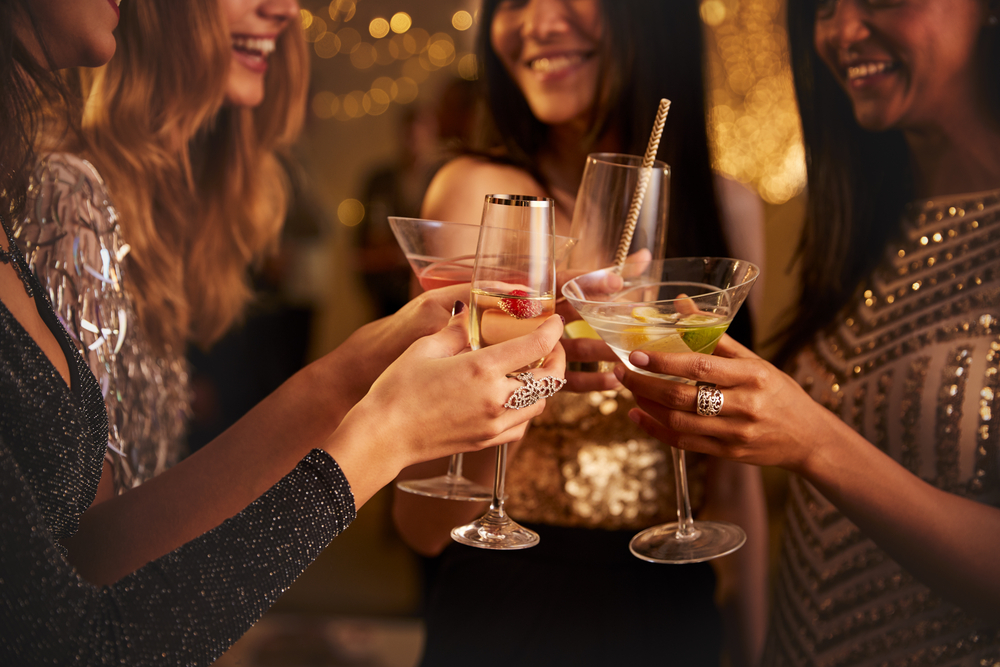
x=674 y=305
x=440 y=254
x=513 y=292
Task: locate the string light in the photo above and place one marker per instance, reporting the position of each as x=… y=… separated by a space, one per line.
x=753 y=119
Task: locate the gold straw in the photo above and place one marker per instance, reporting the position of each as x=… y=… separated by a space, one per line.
x=640 y=189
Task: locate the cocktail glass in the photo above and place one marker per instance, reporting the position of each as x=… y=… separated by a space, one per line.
x=673 y=305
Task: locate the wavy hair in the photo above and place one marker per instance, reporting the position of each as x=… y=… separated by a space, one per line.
x=198 y=183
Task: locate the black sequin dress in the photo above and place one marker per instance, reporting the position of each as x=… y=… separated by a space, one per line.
x=185 y=608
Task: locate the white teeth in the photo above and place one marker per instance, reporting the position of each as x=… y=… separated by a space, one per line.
x=118 y=2
x=261 y=45
x=866 y=69
x=553 y=64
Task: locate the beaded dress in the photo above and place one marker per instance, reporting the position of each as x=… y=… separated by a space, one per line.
x=72 y=241
x=185 y=608
x=913 y=365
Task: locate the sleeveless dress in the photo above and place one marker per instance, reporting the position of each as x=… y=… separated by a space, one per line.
x=185 y=608
x=72 y=241
x=587 y=479
x=913 y=365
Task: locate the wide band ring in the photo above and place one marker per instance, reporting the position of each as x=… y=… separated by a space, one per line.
x=533 y=390
x=710 y=400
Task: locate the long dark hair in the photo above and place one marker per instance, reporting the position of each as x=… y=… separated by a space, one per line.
x=652 y=49
x=859 y=184
x=26 y=88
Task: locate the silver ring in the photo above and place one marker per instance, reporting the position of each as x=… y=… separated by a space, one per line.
x=533 y=390
x=710 y=400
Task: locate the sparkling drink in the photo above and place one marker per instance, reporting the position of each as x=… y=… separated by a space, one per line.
x=433 y=273
x=499 y=316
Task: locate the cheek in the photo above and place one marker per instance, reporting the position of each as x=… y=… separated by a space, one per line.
x=505 y=41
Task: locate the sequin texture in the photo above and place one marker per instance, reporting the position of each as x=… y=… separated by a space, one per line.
x=72 y=241
x=922 y=337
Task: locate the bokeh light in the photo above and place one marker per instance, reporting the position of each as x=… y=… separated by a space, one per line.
x=713 y=12
x=378 y=28
x=323 y=104
x=349 y=38
x=316 y=29
x=350 y=212
x=306 y=18
x=342 y=10
x=407 y=90
x=363 y=55
x=327 y=46
x=468 y=67
x=462 y=20
x=400 y=22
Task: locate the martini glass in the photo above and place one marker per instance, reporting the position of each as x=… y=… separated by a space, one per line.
x=673 y=305
x=513 y=292
x=440 y=254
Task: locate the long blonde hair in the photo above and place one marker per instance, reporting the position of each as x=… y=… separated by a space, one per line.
x=198 y=184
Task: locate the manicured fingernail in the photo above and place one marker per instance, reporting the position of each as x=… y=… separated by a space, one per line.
x=634 y=415
x=640 y=359
x=619 y=372
x=457 y=308
x=563 y=320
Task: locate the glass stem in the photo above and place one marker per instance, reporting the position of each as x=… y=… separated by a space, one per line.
x=496 y=506
x=454 y=466
x=685 y=522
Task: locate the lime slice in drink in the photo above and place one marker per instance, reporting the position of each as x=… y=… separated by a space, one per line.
x=672 y=342
x=652 y=315
x=696 y=320
x=580 y=329
x=703 y=339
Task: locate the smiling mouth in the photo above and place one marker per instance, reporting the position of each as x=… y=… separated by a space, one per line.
x=257 y=47
x=552 y=64
x=862 y=71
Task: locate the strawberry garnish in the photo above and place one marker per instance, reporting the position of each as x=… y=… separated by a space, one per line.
x=521 y=309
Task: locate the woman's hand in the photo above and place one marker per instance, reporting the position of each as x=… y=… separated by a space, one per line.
x=766 y=417
x=440 y=398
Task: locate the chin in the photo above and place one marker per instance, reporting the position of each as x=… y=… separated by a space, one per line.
x=244 y=97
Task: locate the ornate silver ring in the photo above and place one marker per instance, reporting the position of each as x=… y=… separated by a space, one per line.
x=533 y=390
x=710 y=400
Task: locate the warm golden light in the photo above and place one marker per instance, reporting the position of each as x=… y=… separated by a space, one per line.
x=713 y=12
x=342 y=10
x=350 y=212
x=306 y=18
x=468 y=68
x=400 y=22
x=407 y=90
x=327 y=46
x=323 y=104
x=376 y=102
x=387 y=85
x=441 y=50
x=316 y=29
x=462 y=20
x=349 y=38
x=378 y=28
x=363 y=55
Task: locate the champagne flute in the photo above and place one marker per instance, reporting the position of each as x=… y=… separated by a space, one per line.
x=674 y=305
x=513 y=292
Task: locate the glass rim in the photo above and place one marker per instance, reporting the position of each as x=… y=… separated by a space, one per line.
x=521 y=200
x=473 y=224
x=754 y=269
x=624 y=160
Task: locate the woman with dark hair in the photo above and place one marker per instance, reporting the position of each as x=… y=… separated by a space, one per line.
x=271 y=504
x=889 y=554
x=564 y=78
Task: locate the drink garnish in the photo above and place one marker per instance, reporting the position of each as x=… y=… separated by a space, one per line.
x=650 y=314
x=521 y=308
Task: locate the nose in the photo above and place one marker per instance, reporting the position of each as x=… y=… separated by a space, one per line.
x=544 y=18
x=283 y=10
x=846 y=26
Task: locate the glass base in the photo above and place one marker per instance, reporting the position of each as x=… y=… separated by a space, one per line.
x=495 y=531
x=448 y=487
x=711 y=539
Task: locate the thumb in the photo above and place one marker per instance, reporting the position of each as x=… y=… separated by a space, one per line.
x=453 y=338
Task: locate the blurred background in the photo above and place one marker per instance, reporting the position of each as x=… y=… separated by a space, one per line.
x=392 y=91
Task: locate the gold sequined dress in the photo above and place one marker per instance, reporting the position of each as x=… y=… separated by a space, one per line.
x=914 y=366
x=72 y=241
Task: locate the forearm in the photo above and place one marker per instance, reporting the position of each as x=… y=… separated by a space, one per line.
x=735 y=494
x=122 y=534
x=946 y=541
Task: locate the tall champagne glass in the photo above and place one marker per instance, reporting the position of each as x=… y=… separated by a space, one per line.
x=513 y=292
x=674 y=305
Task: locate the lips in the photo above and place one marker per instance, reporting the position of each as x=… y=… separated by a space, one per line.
x=114 y=5
x=861 y=72
x=557 y=63
x=252 y=51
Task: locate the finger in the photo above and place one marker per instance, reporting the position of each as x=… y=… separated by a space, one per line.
x=526 y=350
x=694 y=366
x=579 y=382
x=588 y=349
x=453 y=338
x=685 y=441
x=445 y=296
x=731 y=348
x=664 y=392
x=688 y=423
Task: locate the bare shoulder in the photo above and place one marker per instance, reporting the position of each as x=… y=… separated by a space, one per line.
x=457 y=191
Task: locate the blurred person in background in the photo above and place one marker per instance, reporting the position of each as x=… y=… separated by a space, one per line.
x=885 y=417
x=564 y=78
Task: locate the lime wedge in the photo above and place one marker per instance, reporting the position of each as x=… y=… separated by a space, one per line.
x=703 y=339
x=696 y=320
x=672 y=342
x=635 y=337
x=580 y=329
x=650 y=314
